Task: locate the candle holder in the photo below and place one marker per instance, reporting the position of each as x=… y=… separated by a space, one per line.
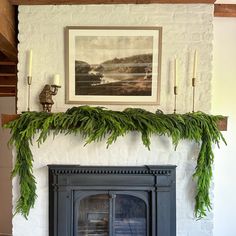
x=193 y=98
x=175 y=93
x=45 y=97
x=29 y=82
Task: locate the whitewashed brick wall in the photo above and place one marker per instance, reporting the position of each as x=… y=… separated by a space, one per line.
x=185 y=28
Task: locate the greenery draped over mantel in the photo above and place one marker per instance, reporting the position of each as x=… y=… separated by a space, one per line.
x=97 y=123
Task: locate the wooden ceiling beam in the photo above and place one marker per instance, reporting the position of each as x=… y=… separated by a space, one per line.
x=225 y=10
x=7 y=49
x=8 y=30
x=78 y=2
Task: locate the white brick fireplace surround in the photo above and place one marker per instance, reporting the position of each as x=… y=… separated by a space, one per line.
x=185 y=28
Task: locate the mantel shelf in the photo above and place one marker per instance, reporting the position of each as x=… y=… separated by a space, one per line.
x=8 y=117
x=222 y=125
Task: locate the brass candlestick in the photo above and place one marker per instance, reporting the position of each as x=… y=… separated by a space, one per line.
x=175 y=93
x=193 y=85
x=45 y=97
x=29 y=82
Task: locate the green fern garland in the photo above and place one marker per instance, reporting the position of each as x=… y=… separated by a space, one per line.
x=97 y=123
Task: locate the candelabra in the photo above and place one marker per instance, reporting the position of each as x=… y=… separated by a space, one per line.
x=29 y=81
x=175 y=93
x=193 y=98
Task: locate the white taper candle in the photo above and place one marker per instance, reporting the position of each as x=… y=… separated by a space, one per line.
x=175 y=72
x=30 y=58
x=195 y=64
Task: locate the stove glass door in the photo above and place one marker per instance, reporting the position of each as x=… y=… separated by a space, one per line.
x=111 y=213
x=93 y=216
x=130 y=216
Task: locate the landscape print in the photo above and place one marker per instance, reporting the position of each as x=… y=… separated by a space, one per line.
x=114 y=65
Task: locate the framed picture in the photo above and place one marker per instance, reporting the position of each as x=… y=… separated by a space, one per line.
x=113 y=65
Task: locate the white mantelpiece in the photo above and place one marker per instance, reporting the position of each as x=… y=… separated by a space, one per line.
x=127 y=151
x=185 y=28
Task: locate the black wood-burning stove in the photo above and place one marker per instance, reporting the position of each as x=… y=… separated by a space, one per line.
x=112 y=201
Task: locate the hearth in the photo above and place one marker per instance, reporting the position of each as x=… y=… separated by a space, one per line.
x=112 y=201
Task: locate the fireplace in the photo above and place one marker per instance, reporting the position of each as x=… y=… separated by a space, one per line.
x=112 y=201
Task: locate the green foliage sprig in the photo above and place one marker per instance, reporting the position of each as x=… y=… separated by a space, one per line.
x=97 y=123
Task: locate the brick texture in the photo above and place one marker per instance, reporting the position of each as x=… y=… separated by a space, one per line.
x=185 y=28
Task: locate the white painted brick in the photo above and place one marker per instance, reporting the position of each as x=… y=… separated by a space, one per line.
x=185 y=28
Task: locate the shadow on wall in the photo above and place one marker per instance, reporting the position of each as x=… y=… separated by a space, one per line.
x=7 y=105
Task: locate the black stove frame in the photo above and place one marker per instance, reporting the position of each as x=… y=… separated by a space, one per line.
x=159 y=182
